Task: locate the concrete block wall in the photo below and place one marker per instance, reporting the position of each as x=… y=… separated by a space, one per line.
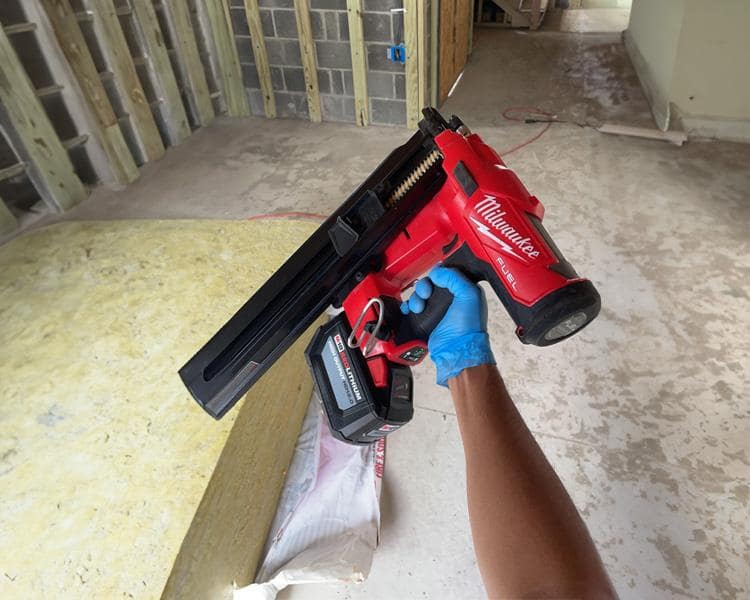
x=386 y=80
x=330 y=26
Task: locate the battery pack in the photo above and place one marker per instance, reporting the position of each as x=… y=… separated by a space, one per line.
x=358 y=412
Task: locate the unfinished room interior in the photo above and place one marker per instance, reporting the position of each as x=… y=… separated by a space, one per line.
x=384 y=299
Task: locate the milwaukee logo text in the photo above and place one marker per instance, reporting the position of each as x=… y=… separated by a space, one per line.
x=493 y=214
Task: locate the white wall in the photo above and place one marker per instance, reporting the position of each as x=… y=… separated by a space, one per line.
x=652 y=39
x=693 y=59
x=711 y=81
x=605 y=3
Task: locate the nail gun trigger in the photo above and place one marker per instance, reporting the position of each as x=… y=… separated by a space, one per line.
x=381 y=333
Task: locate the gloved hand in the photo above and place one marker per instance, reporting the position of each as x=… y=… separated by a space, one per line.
x=460 y=340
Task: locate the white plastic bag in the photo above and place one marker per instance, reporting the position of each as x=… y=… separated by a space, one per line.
x=327 y=522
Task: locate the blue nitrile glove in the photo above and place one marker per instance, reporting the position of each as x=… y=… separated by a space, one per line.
x=460 y=340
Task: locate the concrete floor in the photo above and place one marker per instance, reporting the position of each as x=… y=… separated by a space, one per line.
x=643 y=414
x=582 y=78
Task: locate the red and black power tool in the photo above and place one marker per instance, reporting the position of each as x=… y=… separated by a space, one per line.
x=443 y=197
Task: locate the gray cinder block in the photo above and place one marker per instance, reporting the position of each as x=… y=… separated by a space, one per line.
x=332 y=25
x=239 y=21
x=291 y=105
x=329 y=4
x=283 y=52
x=255 y=98
x=382 y=5
x=348 y=83
x=286 y=23
x=337 y=83
x=388 y=111
x=245 y=50
x=334 y=55
x=277 y=78
x=316 y=22
x=380 y=84
x=324 y=81
x=266 y=22
x=377 y=27
x=343 y=26
x=250 y=77
x=276 y=3
x=400 y=86
x=295 y=79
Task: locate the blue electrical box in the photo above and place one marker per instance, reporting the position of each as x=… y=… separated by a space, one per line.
x=397 y=53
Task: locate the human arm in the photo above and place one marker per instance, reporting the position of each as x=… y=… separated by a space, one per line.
x=529 y=539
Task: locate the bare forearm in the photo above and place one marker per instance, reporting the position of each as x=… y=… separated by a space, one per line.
x=529 y=538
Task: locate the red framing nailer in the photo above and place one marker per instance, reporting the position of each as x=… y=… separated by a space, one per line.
x=444 y=196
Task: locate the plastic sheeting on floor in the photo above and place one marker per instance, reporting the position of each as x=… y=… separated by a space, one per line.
x=326 y=526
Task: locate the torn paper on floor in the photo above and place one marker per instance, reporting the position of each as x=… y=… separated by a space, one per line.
x=327 y=522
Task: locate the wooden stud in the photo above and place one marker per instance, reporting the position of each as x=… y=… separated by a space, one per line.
x=434 y=56
x=411 y=39
x=189 y=61
x=116 y=52
x=32 y=136
x=261 y=57
x=207 y=51
x=422 y=52
x=446 y=60
x=471 y=26
x=8 y=222
x=58 y=16
x=359 y=62
x=69 y=91
x=463 y=32
x=171 y=108
x=309 y=62
x=454 y=43
x=238 y=80
x=225 y=58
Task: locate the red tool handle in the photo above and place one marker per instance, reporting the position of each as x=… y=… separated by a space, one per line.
x=483 y=222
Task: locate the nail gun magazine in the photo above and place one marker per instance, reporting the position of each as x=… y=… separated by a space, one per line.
x=442 y=197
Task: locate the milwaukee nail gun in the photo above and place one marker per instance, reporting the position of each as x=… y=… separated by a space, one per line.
x=444 y=196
